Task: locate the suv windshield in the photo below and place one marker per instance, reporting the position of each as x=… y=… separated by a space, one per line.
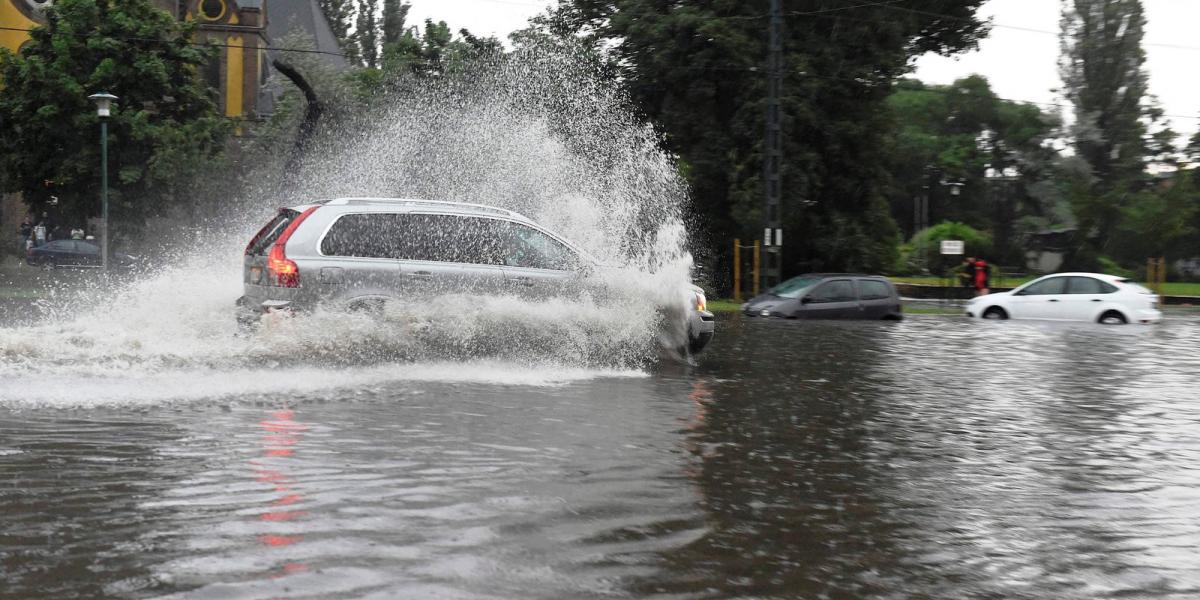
x=793 y=287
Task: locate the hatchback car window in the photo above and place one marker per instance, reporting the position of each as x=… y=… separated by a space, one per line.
x=871 y=289
x=1054 y=285
x=533 y=249
x=839 y=290
x=1088 y=285
x=794 y=287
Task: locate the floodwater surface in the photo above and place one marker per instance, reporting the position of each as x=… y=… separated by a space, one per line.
x=938 y=458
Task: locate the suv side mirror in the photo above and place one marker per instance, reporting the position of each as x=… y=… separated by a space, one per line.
x=806 y=300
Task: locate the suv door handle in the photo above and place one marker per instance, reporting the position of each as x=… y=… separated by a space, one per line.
x=1097 y=300
x=1052 y=300
x=422 y=274
x=525 y=281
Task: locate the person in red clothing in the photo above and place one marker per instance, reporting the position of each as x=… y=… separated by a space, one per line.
x=981 y=277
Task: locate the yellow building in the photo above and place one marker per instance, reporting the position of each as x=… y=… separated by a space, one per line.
x=239 y=27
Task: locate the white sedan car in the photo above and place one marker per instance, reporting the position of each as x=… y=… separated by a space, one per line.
x=1091 y=297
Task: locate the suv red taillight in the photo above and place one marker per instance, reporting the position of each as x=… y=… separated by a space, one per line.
x=284 y=272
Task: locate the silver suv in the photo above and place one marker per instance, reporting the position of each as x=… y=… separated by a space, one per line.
x=359 y=253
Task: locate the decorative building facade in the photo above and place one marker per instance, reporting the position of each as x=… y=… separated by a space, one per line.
x=242 y=30
x=237 y=27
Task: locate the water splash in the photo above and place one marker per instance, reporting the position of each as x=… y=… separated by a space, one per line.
x=541 y=135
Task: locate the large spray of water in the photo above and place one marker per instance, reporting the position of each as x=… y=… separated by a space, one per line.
x=537 y=134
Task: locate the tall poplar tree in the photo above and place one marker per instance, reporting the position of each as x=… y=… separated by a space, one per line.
x=1104 y=77
x=395 y=13
x=1103 y=74
x=367 y=32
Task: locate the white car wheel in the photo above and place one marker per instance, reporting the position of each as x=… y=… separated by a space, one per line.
x=1112 y=317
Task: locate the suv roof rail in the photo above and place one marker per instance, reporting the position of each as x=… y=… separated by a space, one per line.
x=483 y=208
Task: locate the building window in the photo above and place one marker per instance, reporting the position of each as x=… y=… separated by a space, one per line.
x=212 y=10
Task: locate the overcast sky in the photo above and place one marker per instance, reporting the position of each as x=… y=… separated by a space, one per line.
x=1021 y=64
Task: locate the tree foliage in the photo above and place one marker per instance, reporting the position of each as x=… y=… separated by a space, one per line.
x=165 y=130
x=1117 y=130
x=994 y=151
x=696 y=69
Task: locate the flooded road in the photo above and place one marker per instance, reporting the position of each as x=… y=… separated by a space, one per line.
x=937 y=457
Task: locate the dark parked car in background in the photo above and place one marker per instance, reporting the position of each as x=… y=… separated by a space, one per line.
x=78 y=254
x=829 y=296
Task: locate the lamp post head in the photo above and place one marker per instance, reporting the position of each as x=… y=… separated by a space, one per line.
x=104 y=101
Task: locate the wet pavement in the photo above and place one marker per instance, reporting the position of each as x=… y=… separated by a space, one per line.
x=938 y=457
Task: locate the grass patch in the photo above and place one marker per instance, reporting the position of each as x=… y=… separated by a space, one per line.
x=724 y=306
x=19 y=294
x=1169 y=289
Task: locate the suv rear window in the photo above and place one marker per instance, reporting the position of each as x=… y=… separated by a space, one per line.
x=873 y=289
x=270 y=232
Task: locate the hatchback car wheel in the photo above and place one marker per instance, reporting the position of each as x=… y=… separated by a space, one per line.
x=995 y=312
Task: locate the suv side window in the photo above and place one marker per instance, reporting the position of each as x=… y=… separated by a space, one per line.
x=533 y=249
x=371 y=235
x=873 y=289
x=469 y=240
x=838 y=290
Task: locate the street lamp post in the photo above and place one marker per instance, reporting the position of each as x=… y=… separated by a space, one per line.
x=103 y=102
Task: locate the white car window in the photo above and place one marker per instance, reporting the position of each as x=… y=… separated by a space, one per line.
x=1046 y=287
x=1089 y=285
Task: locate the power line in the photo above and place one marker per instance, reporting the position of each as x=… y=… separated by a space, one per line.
x=1023 y=28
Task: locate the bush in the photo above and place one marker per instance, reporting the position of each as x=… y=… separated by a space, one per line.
x=927 y=244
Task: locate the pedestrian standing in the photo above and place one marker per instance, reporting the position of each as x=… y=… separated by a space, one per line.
x=77 y=233
x=39 y=233
x=982 y=277
x=23 y=233
x=966 y=273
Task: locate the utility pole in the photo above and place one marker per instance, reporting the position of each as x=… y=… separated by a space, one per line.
x=773 y=149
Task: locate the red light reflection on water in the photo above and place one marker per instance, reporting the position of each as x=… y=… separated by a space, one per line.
x=281 y=434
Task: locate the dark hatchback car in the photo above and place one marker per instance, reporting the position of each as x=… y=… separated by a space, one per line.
x=829 y=296
x=78 y=254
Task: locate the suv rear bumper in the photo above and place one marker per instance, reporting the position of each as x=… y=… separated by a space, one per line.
x=248 y=312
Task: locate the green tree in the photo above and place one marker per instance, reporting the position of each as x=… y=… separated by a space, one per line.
x=367 y=32
x=696 y=70
x=165 y=130
x=993 y=151
x=435 y=51
x=395 y=13
x=1160 y=223
x=1116 y=131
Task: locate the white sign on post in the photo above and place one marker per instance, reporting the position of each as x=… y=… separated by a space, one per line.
x=953 y=247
